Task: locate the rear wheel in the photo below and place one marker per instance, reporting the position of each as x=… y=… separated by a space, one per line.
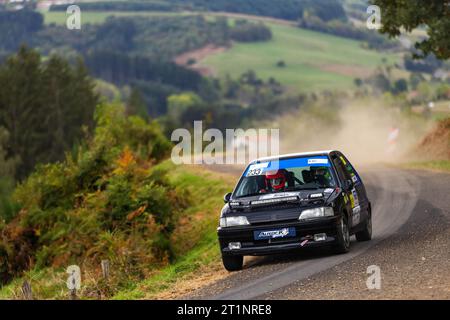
x=233 y=263
x=366 y=233
x=342 y=237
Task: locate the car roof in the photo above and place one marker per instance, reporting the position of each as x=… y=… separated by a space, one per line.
x=293 y=155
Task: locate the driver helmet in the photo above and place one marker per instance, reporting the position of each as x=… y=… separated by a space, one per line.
x=276 y=179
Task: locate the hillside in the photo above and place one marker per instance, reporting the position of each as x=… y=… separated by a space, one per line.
x=436 y=144
x=313 y=61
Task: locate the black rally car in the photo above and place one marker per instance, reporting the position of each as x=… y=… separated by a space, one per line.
x=291 y=202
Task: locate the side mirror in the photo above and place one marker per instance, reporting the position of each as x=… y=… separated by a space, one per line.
x=227 y=197
x=348 y=184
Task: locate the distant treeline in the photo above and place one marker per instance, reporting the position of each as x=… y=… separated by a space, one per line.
x=155 y=79
x=281 y=9
x=160 y=37
x=250 y=32
x=347 y=30
x=120 y=69
x=17 y=27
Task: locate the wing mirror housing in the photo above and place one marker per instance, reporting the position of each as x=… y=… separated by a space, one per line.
x=227 y=197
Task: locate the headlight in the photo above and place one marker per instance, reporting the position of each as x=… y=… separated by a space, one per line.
x=316 y=213
x=233 y=221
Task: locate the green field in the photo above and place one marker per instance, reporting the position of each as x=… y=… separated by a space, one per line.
x=95 y=17
x=314 y=61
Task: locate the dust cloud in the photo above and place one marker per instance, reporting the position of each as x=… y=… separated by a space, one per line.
x=364 y=131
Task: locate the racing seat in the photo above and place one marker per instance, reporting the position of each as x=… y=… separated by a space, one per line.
x=319 y=178
x=307 y=176
x=290 y=179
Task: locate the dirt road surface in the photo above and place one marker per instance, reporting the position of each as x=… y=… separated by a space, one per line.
x=410 y=245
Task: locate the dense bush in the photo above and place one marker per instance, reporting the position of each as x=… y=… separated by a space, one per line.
x=103 y=202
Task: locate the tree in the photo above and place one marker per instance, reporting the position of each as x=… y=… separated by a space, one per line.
x=281 y=64
x=179 y=103
x=7 y=165
x=401 y=85
x=406 y=15
x=136 y=104
x=358 y=82
x=44 y=107
x=17 y=27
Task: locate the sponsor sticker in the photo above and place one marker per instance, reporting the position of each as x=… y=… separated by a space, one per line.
x=277 y=195
x=318 y=161
x=256 y=169
x=355 y=198
x=272 y=234
x=356 y=217
x=274 y=200
x=259 y=165
x=315 y=195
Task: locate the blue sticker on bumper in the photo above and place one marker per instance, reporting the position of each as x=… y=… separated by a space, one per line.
x=274 y=234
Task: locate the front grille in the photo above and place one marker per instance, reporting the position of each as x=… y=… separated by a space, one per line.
x=271 y=216
x=274 y=207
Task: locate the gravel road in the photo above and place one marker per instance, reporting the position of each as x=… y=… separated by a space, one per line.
x=411 y=221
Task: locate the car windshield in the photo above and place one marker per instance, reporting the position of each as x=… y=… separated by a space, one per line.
x=292 y=174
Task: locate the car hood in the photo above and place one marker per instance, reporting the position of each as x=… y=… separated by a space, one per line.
x=278 y=206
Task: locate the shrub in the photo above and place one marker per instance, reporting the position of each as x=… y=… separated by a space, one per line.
x=102 y=203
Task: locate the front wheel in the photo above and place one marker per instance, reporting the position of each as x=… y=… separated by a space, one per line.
x=233 y=263
x=342 y=237
x=366 y=234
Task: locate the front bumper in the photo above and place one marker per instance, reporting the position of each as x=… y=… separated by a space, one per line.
x=305 y=230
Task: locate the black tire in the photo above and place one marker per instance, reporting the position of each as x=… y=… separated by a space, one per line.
x=366 y=234
x=233 y=263
x=342 y=237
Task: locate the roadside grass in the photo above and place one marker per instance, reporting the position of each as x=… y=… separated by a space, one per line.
x=194 y=242
x=435 y=165
x=205 y=253
x=46 y=284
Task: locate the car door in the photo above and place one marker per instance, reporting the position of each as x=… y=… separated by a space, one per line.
x=343 y=177
x=357 y=195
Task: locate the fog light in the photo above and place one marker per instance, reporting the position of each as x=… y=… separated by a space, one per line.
x=320 y=237
x=234 y=245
